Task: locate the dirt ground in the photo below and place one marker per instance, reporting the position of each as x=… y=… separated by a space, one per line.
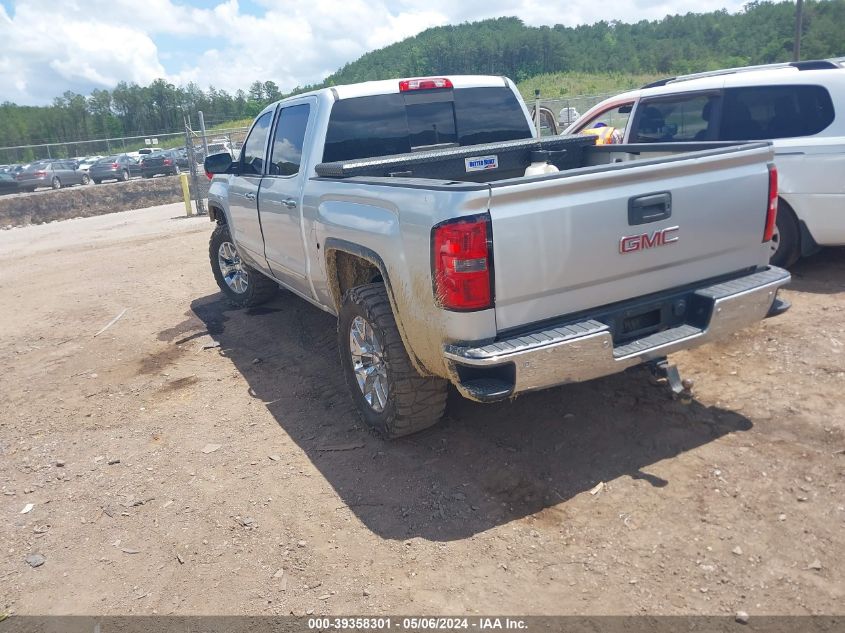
x=170 y=476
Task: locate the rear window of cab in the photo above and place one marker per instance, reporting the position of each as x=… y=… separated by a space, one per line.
x=381 y=125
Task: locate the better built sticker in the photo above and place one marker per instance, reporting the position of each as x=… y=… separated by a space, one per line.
x=480 y=163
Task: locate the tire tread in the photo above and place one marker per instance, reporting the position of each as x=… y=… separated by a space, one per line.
x=418 y=402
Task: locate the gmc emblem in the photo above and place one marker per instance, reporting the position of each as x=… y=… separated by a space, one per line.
x=634 y=243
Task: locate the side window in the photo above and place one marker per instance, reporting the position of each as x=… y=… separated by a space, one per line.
x=682 y=117
x=287 y=143
x=252 y=155
x=769 y=112
x=615 y=117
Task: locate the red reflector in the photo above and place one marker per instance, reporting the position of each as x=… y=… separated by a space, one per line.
x=772 y=209
x=167 y=161
x=209 y=175
x=424 y=83
x=462 y=264
x=41 y=173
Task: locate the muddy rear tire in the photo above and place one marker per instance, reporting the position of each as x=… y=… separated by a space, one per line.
x=389 y=394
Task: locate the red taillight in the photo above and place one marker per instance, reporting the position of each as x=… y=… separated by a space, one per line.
x=209 y=175
x=167 y=161
x=772 y=210
x=41 y=173
x=462 y=264
x=114 y=165
x=424 y=83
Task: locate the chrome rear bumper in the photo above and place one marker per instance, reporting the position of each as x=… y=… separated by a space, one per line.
x=580 y=351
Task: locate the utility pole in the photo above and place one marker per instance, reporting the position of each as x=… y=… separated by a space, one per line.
x=799 y=16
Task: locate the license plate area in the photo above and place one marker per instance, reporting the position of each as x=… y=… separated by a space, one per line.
x=637 y=322
x=643 y=323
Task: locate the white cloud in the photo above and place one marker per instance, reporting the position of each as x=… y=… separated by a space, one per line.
x=43 y=58
x=96 y=43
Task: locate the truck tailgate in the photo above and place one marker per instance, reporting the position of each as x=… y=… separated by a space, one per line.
x=592 y=237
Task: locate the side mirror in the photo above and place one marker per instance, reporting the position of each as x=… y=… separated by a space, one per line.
x=219 y=163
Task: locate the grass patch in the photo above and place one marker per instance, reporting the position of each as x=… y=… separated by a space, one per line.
x=557 y=85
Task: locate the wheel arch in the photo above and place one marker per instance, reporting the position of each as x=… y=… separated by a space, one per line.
x=349 y=265
x=216 y=213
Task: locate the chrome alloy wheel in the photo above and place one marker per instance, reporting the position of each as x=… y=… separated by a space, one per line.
x=232 y=268
x=368 y=363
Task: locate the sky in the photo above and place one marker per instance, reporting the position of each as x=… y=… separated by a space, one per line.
x=83 y=45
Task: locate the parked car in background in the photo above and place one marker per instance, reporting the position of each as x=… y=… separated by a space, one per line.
x=84 y=164
x=50 y=173
x=119 y=167
x=181 y=158
x=164 y=163
x=791 y=104
x=567 y=116
x=8 y=184
x=218 y=146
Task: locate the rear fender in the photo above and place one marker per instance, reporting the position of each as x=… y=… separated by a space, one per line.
x=333 y=246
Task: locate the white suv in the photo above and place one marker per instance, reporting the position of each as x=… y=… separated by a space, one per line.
x=799 y=106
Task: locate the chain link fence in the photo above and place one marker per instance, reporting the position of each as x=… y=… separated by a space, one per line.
x=198 y=146
x=22 y=154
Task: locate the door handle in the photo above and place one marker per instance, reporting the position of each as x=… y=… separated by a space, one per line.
x=290 y=203
x=249 y=196
x=649 y=208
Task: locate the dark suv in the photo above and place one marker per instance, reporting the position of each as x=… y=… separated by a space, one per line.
x=167 y=163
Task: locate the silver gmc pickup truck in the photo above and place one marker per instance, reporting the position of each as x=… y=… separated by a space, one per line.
x=403 y=208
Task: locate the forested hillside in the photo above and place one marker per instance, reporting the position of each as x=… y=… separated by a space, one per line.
x=761 y=33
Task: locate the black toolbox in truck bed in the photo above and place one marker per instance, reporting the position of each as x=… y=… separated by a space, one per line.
x=472 y=163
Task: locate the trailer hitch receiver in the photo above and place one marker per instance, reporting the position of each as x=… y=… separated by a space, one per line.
x=666 y=374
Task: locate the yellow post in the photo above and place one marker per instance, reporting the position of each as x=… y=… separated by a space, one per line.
x=186 y=193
